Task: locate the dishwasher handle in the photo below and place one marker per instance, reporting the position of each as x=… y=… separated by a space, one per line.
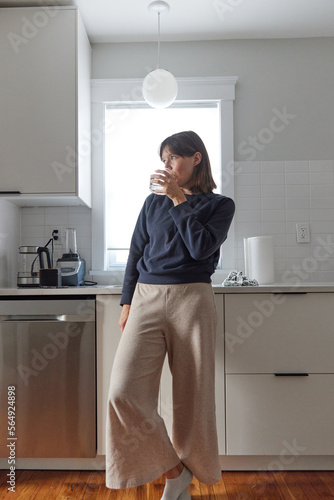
x=47 y=318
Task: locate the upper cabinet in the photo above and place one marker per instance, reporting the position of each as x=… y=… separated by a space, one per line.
x=45 y=59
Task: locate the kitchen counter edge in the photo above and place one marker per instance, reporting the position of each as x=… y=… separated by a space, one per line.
x=117 y=290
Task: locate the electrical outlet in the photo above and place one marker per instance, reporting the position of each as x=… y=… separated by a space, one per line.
x=303 y=232
x=57 y=235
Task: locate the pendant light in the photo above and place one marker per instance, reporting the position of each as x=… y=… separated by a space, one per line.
x=159 y=86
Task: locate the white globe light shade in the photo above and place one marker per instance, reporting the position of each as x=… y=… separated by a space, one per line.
x=160 y=88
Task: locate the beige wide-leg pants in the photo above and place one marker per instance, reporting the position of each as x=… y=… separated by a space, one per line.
x=179 y=320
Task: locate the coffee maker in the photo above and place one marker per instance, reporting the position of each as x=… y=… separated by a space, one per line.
x=73 y=268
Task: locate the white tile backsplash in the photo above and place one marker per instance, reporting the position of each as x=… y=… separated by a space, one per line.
x=300 y=215
x=249 y=203
x=272 y=179
x=37 y=224
x=322 y=215
x=271 y=197
x=272 y=167
x=273 y=215
x=288 y=192
x=273 y=191
x=249 y=216
x=321 y=178
x=272 y=203
x=297 y=178
x=322 y=203
x=295 y=191
x=249 y=167
x=246 y=192
x=32 y=218
x=246 y=179
x=296 y=166
x=56 y=219
x=321 y=166
x=296 y=203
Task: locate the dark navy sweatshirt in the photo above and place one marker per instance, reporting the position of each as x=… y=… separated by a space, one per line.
x=177 y=244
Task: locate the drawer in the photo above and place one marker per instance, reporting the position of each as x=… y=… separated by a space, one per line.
x=269 y=333
x=268 y=415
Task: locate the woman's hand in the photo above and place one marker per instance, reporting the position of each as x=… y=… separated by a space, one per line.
x=124 y=316
x=169 y=186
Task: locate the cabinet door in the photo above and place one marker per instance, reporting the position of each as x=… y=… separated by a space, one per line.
x=166 y=398
x=270 y=333
x=285 y=416
x=38 y=100
x=108 y=336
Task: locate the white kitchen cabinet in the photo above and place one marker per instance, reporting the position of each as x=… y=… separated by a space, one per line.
x=166 y=407
x=44 y=106
x=279 y=374
x=108 y=336
x=268 y=415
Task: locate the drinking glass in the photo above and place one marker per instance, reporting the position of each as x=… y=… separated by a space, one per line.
x=154 y=186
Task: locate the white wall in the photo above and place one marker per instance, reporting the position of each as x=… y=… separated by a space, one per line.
x=9 y=243
x=296 y=73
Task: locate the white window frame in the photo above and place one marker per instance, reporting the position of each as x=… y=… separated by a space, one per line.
x=219 y=89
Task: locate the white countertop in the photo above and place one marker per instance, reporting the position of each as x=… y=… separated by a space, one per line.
x=277 y=288
x=71 y=290
x=117 y=289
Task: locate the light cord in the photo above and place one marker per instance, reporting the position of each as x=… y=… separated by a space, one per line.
x=158 y=40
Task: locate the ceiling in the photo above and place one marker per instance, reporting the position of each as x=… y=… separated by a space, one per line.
x=130 y=21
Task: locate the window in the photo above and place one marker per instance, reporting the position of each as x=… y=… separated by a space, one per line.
x=197 y=95
x=132 y=138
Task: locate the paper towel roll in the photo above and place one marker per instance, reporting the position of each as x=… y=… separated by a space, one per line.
x=259 y=259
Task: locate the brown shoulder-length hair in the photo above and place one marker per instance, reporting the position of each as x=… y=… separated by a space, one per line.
x=186 y=144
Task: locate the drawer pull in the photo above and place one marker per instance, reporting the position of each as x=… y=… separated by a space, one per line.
x=9 y=192
x=291 y=374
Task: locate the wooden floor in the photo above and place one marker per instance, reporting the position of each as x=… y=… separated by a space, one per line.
x=49 y=485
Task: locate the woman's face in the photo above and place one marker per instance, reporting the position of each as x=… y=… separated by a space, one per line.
x=181 y=168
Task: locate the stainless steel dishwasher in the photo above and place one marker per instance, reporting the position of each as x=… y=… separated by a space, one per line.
x=47 y=353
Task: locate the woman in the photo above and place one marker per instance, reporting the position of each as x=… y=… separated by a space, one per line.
x=168 y=306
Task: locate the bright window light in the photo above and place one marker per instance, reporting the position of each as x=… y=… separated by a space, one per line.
x=132 y=138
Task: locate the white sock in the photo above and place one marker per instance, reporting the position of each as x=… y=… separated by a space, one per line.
x=185 y=495
x=174 y=487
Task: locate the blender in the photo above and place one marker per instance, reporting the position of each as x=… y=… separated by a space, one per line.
x=73 y=268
